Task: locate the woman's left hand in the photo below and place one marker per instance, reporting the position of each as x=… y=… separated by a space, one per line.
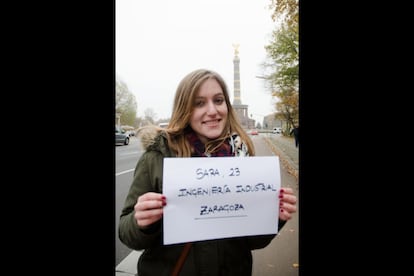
x=287 y=203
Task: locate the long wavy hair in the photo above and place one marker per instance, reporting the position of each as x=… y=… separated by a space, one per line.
x=183 y=107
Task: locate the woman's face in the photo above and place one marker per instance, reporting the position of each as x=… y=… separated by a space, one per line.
x=210 y=111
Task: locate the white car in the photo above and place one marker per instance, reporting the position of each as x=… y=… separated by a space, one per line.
x=277 y=130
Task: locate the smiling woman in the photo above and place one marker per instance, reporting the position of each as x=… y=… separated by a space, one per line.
x=203 y=124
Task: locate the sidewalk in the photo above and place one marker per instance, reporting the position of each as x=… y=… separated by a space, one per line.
x=128 y=266
x=288 y=153
x=281 y=145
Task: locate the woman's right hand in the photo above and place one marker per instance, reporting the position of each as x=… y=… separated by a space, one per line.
x=149 y=208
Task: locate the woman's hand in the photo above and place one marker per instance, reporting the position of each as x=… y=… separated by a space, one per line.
x=287 y=203
x=149 y=208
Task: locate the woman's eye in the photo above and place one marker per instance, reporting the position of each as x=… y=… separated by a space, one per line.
x=199 y=103
x=219 y=101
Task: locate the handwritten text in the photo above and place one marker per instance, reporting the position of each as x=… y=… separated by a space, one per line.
x=206 y=210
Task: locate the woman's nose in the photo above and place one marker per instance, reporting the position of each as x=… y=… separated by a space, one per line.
x=211 y=108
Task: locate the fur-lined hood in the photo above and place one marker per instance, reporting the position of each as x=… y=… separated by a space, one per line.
x=153 y=138
x=147 y=135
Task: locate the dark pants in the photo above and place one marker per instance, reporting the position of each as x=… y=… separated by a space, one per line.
x=296 y=141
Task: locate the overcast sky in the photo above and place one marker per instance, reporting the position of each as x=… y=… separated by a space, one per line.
x=159 y=42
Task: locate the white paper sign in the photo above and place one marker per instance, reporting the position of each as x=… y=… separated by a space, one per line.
x=212 y=198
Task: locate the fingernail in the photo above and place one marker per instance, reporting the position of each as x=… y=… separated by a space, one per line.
x=281 y=210
x=281 y=190
x=164 y=202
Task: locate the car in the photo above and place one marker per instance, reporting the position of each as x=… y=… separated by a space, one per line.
x=277 y=130
x=130 y=133
x=163 y=125
x=121 y=137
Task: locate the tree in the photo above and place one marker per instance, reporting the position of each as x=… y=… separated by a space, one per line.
x=150 y=116
x=283 y=52
x=285 y=10
x=125 y=103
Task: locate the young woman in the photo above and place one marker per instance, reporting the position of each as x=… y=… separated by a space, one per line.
x=203 y=124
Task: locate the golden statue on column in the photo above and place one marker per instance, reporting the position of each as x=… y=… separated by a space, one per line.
x=236 y=48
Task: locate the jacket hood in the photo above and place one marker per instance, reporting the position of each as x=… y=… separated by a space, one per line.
x=154 y=138
x=148 y=135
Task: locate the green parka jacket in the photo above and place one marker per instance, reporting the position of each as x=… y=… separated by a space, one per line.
x=227 y=257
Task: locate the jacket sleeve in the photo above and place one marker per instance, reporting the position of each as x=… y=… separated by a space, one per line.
x=258 y=242
x=147 y=178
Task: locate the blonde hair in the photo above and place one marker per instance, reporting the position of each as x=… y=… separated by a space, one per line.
x=183 y=107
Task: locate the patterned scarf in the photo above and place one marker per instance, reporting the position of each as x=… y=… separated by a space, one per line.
x=231 y=147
